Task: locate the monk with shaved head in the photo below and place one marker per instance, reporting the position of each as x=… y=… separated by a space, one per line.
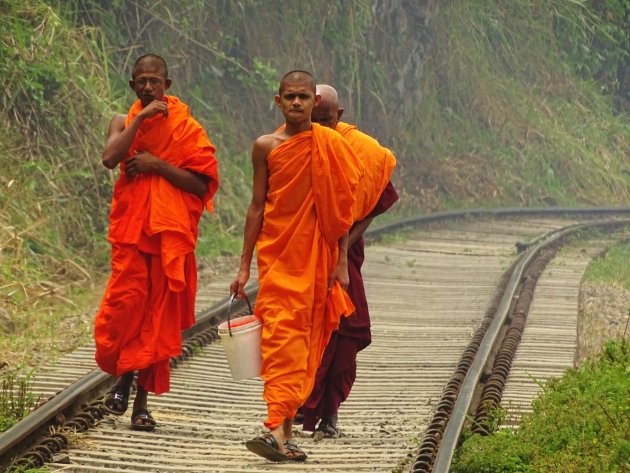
x=373 y=196
x=168 y=175
x=305 y=176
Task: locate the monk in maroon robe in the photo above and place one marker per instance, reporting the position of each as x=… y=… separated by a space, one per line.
x=375 y=195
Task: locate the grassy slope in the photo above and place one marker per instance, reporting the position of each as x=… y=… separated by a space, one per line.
x=505 y=122
x=53 y=193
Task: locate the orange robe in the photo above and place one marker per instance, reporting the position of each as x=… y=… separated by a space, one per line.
x=379 y=163
x=150 y=295
x=312 y=178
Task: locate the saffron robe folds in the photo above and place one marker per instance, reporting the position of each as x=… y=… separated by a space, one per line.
x=150 y=295
x=379 y=163
x=312 y=178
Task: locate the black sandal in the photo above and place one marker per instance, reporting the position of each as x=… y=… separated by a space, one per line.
x=117 y=400
x=267 y=447
x=148 y=422
x=294 y=453
x=327 y=429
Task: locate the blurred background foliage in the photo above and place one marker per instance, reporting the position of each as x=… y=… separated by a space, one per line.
x=484 y=102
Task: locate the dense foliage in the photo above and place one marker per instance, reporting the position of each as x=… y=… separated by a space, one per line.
x=53 y=192
x=485 y=103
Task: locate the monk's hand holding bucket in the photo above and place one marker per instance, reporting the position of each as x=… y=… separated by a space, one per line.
x=238 y=285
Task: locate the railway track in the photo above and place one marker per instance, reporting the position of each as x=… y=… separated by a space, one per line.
x=428 y=292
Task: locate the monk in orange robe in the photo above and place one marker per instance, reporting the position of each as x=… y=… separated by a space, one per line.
x=168 y=176
x=305 y=176
x=374 y=195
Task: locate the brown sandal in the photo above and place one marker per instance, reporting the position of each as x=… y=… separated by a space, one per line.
x=148 y=422
x=267 y=447
x=294 y=453
x=327 y=429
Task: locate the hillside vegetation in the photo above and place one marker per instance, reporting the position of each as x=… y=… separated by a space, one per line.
x=485 y=103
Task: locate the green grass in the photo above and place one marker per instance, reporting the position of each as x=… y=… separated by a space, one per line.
x=581 y=423
x=51 y=209
x=613 y=267
x=43 y=469
x=504 y=122
x=16 y=399
x=215 y=240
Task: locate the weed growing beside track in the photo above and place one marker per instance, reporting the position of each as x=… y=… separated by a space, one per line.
x=16 y=400
x=604 y=301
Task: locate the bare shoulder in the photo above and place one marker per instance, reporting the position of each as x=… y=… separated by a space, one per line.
x=117 y=124
x=119 y=118
x=266 y=143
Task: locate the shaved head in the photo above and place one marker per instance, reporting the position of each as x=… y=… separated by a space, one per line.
x=154 y=60
x=329 y=96
x=328 y=112
x=297 y=77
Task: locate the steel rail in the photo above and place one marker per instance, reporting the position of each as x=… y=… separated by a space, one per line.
x=435 y=217
x=469 y=386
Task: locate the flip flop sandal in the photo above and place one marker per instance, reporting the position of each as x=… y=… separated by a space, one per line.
x=267 y=447
x=294 y=453
x=148 y=422
x=117 y=400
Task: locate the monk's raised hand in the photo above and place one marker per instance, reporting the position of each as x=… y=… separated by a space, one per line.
x=154 y=108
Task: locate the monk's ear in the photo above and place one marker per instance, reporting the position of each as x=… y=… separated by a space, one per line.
x=278 y=100
x=339 y=113
x=132 y=84
x=318 y=98
x=167 y=83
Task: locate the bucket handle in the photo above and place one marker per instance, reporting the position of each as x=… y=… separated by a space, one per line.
x=232 y=297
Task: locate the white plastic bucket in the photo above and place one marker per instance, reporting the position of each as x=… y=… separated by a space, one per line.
x=242 y=346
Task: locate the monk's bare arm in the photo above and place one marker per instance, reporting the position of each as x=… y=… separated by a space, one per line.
x=255 y=212
x=116 y=139
x=119 y=138
x=357 y=230
x=184 y=179
x=340 y=272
